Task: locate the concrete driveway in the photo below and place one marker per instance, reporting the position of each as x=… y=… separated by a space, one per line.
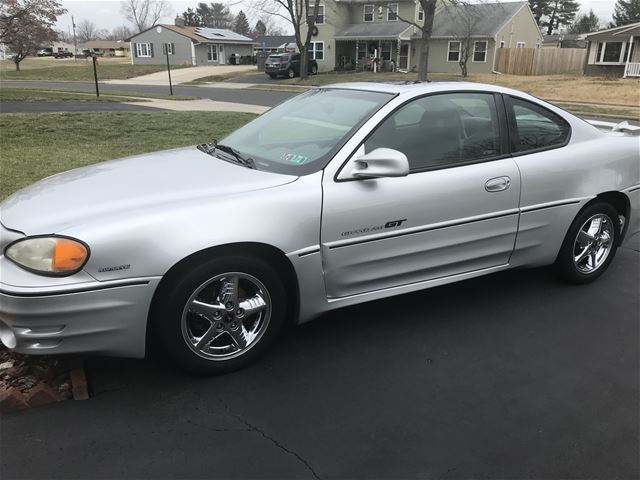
x=183 y=75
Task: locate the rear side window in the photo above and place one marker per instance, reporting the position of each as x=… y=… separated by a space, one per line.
x=536 y=127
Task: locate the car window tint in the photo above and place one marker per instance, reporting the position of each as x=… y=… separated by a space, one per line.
x=537 y=127
x=441 y=130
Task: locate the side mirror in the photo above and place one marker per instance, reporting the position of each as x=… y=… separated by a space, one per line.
x=382 y=162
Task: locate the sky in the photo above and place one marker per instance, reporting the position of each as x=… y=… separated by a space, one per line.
x=106 y=13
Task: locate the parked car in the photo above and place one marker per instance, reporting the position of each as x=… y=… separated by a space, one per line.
x=43 y=53
x=287 y=65
x=63 y=54
x=341 y=195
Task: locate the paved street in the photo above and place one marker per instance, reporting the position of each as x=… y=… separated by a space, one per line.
x=514 y=375
x=252 y=97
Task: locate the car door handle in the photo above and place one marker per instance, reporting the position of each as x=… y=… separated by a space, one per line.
x=497 y=184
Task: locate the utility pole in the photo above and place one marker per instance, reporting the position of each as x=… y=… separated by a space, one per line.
x=75 y=40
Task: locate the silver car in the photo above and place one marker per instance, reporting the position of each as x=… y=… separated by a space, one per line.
x=338 y=196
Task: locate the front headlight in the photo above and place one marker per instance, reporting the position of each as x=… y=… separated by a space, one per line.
x=49 y=255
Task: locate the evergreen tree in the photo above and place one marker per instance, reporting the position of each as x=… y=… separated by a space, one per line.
x=191 y=18
x=562 y=13
x=260 y=29
x=540 y=9
x=585 y=24
x=241 y=25
x=626 y=12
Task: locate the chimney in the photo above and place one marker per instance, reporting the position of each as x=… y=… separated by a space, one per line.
x=179 y=21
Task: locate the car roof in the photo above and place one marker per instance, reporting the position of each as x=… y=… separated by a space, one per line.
x=417 y=87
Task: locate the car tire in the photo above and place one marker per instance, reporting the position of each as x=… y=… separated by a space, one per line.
x=291 y=73
x=205 y=339
x=590 y=244
x=314 y=70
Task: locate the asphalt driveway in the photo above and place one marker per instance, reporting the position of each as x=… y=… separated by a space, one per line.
x=514 y=375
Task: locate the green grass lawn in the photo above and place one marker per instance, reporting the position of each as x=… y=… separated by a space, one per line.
x=20 y=94
x=9 y=94
x=34 y=146
x=79 y=70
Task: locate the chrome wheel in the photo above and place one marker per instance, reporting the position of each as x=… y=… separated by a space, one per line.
x=593 y=243
x=226 y=316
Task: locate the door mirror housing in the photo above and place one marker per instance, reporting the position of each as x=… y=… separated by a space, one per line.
x=380 y=163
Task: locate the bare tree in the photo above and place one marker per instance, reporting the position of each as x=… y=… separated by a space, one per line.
x=119 y=33
x=86 y=31
x=143 y=14
x=466 y=18
x=300 y=14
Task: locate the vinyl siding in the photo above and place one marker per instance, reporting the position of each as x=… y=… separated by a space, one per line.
x=182 y=44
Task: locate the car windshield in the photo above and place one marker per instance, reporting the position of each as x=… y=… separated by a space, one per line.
x=300 y=136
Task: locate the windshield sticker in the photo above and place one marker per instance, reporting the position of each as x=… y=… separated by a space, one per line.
x=294 y=158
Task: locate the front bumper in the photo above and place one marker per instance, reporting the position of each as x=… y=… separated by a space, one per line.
x=107 y=318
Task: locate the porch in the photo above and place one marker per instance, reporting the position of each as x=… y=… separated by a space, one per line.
x=376 y=46
x=616 y=50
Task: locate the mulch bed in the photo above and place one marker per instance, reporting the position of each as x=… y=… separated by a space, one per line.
x=30 y=381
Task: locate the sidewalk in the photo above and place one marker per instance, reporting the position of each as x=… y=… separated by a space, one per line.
x=203 y=105
x=182 y=75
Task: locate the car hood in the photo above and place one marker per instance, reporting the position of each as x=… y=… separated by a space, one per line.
x=140 y=182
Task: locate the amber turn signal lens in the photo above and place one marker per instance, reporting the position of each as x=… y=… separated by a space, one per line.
x=68 y=255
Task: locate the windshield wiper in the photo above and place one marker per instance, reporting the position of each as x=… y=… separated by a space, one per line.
x=212 y=146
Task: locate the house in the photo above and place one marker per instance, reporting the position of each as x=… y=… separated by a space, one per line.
x=275 y=43
x=351 y=32
x=564 y=40
x=106 y=48
x=188 y=45
x=615 y=51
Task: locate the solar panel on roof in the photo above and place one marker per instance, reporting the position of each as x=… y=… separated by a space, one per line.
x=218 y=33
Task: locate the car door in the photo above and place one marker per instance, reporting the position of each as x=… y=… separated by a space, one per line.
x=456 y=212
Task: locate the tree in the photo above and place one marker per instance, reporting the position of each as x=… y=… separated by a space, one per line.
x=260 y=29
x=214 y=15
x=86 y=31
x=466 y=18
x=553 y=14
x=118 y=33
x=191 y=18
x=626 y=12
x=585 y=24
x=27 y=25
x=143 y=14
x=300 y=14
x=241 y=25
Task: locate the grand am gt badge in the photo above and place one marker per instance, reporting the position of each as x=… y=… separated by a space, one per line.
x=377 y=228
x=114 y=268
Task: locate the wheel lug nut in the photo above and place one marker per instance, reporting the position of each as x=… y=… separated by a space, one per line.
x=220 y=326
x=240 y=312
x=234 y=325
x=216 y=315
x=229 y=305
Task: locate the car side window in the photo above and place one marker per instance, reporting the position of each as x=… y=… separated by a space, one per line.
x=441 y=130
x=536 y=127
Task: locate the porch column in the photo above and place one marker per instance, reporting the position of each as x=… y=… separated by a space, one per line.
x=626 y=63
x=357 y=54
x=398 y=53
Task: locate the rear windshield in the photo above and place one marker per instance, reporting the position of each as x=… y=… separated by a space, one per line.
x=301 y=135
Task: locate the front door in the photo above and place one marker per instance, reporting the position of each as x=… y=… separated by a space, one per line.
x=221 y=55
x=403 y=63
x=456 y=212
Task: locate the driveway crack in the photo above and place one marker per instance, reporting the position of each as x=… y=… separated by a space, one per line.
x=254 y=428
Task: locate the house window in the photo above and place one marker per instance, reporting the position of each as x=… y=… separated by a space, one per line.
x=212 y=53
x=420 y=14
x=501 y=43
x=168 y=48
x=520 y=44
x=143 y=50
x=316 y=50
x=610 y=52
x=368 y=13
x=453 y=53
x=480 y=52
x=320 y=16
x=392 y=12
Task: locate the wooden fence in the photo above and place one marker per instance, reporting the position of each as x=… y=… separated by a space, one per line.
x=540 y=61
